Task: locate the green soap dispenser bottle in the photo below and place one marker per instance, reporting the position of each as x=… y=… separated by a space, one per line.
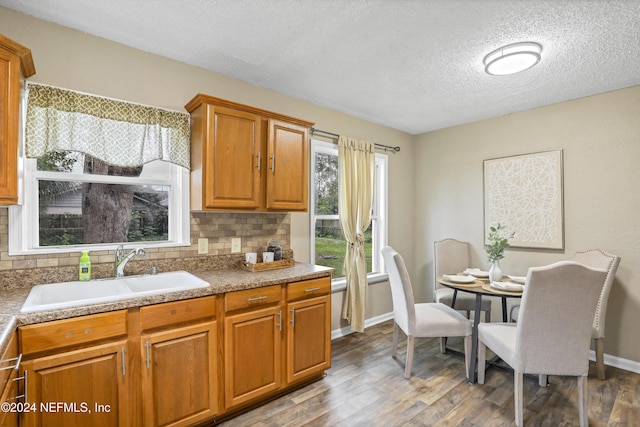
x=84 y=268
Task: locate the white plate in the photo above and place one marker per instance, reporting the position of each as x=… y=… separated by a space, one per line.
x=518 y=279
x=456 y=278
x=477 y=272
x=507 y=286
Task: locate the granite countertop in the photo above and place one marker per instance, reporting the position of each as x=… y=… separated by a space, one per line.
x=220 y=280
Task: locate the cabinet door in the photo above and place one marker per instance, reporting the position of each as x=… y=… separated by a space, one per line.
x=179 y=375
x=232 y=159
x=9 y=381
x=78 y=388
x=287 y=167
x=308 y=338
x=252 y=357
x=9 y=113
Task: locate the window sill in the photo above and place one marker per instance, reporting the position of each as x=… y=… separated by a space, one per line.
x=338 y=285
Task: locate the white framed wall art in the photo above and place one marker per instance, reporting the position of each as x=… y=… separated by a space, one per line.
x=525 y=193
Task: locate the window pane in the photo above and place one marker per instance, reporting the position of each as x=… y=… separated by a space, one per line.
x=73 y=213
x=330 y=245
x=75 y=162
x=326 y=183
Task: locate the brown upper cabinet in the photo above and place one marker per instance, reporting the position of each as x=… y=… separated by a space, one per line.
x=15 y=61
x=245 y=158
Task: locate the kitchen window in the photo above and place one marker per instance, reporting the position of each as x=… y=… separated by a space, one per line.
x=328 y=245
x=101 y=180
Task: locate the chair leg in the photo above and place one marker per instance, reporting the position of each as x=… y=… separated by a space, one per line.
x=468 y=314
x=582 y=397
x=600 y=358
x=543 y=380
x=394 y=346
x=443 y=345
x=482 y=361
x=409 y=364
x=487 y=316
x=518 y=377
x=467 y=354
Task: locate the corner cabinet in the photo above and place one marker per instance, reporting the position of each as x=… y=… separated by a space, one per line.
x=15 y=61
x=245 y=158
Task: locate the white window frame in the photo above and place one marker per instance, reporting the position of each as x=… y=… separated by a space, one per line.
x=24 y=225
x=380 y=211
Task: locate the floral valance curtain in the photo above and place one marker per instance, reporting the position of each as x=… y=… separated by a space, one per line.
x=117 y=132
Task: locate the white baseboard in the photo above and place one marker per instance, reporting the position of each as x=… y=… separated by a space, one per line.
x=342 y=332
x=616 y=362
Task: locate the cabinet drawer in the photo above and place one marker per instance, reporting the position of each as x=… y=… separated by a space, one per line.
x=308 y=288
x=252 y=298
x=78 y=330
x=177 y=312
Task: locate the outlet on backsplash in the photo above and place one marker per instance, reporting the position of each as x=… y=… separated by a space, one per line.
x=236 y=245
x=203 y=245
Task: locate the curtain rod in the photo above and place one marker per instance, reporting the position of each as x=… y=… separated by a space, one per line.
x=315 y=131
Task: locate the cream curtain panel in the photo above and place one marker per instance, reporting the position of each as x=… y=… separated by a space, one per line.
x=356 y=169
x=117 y=132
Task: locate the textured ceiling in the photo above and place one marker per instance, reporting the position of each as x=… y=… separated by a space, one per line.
x=413 y=65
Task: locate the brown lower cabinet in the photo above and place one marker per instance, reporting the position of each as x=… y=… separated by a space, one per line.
x=179 y=363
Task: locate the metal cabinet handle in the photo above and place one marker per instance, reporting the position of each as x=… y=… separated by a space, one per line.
x=273 y=163
x=22 y=378
x=260 y=298
x=311 y=290
x=124 y=362
x=293 y=317
x=148 y=354
x=15 y=366
x=280 y=320
x=259 y=155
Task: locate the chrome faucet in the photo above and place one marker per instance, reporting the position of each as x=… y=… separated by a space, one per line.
x=122 y=259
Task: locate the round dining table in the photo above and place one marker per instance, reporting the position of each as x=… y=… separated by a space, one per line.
x=480 y=287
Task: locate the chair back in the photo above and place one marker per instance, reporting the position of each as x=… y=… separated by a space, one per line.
x=450 y=256
x=556 y=313
x=597 y=258
x=404 y=312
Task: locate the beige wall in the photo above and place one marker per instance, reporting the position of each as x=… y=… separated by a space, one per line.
x=600 y=138
x=75 y=60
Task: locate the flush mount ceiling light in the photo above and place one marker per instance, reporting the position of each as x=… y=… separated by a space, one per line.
x=512 y=58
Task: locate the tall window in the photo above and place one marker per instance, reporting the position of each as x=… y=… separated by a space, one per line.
x=328 y=245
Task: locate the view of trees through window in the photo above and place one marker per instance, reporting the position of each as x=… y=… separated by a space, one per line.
x=73 y=212
x=330 y=244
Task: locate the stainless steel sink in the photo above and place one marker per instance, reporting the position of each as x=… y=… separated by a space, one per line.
x=72 y=294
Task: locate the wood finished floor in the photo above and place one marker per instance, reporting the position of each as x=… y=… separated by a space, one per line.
x=366 y=387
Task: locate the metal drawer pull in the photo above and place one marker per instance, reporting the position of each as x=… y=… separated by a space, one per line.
x=293 y=317
x=259 y=155
x=261 y=297
x=311 y=290
x=17 y=364
x=280 y=320
x=273 y=163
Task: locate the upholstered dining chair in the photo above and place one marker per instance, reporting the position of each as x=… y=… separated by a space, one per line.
x=553 y=332
x=451 y=256
x=423 y=320
x=595 y=258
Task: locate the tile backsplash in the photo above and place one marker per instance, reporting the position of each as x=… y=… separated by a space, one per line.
x=255 y=230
